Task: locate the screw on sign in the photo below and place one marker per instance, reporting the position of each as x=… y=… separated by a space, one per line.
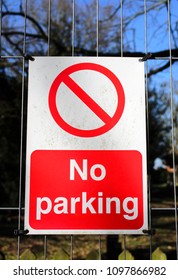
x=64 y=77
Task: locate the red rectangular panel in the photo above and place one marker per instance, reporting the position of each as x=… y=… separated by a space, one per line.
x=86 y=190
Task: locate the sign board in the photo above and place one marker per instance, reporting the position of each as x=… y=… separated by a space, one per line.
x=86 y=146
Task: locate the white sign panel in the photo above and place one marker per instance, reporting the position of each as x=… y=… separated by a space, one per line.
x=86 y=146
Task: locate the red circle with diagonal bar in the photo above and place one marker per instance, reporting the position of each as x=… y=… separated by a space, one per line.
x=64 y=77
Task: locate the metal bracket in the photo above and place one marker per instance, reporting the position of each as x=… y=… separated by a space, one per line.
x=28 y=57
x=20 y=232
x=146 y=57
x=149 y=231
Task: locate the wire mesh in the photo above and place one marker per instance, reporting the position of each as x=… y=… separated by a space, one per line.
x=47 y=45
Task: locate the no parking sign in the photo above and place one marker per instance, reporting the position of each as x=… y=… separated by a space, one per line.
x=64 y=77
x=86 y=146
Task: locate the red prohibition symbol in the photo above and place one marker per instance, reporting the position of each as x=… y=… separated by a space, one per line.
x=64 y=77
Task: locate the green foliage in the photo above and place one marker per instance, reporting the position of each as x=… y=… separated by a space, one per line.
x=93 y=255
x=125 y=255
x=28 y=255
x=60 y=254
x=158 y=254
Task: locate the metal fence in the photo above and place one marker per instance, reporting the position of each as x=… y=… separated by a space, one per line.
x=93 y=28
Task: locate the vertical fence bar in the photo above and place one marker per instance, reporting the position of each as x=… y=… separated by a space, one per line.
x=49 y=26
x=0 y=28
x=45 y=247
x=73 y=54
x=97 y=54
x=73 y=27
x=172 y=121
x=71 y=247
x=121 y=26
x=124 y=246
x=21 y=130
x=147 y=120
x=48 y=54
x=97 y=27
x=100 y=251
x=122 y=54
